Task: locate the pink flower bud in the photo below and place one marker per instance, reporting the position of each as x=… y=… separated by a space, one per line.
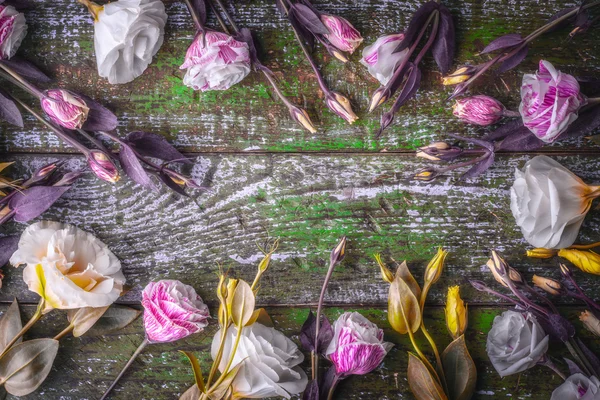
x=215 y=61
x=341 y=106
x=172 y=311
x=65 y=108
x=13 y=29
x=478 y=110
x=380 y=58
x=103 y=167
x=341 y=33
x=550 y=101
x=357 y=347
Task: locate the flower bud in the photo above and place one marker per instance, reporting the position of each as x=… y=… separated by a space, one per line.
x=65 y=108
x=426 y=174
x=69 y=178
x=379 y=97
x=435 y=267
x=13 y=29
x=585 y=260
x=541 y=253
x=456 y=313
x=341 y=106
x=301 y=116
x=460 y=75
x=547 y=285
x=339 y=252
x=439 y=151
x=42 y=174
x=341 y=33
x=386 y=274
x=478 y=110
x=103 y=167
x=501 y=270
x=590 y=322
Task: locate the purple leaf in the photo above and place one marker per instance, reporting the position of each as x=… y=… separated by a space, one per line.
x=152 y=145
x=327 y=382
x=413 y=81
x=307 y=333
x=99 y=117
x=479 y=142
x=573 y=368
x=27 y=69
x=586 y=123
x=505 y=130
x=444 y=45
x=312 y=391
x=416 y=24
x=133 y=168
x=302 y=31
x=521 y=140
x=513 y=60
x=31 y=203
x=199 y=7
x=8 y=245
x=172 y=185
x=479 y=168
x=503 y=42
x=590 y=355
x=308 y=19
x=9 y=111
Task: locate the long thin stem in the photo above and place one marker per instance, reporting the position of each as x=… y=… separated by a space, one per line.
x=548 y=363
x=7 y=217
x=195 y=16
x=578 y=355
x=318 y=316
x=65 y=332
x=97 y=143
x=137 y=352
x=34 y=318
x=15 y=75
x=238 y=337
x=229 y=19
x=334 y=383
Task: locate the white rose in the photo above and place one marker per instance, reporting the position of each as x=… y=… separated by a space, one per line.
x=549 y=203
x=13 y=29
x=271 y=362
x=127 y=34
x=578 y=387
x=516 y=342
x=68 y=267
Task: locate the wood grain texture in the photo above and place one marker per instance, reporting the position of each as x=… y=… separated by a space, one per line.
x=309 y=202
x=246 y=118
x=85 y=366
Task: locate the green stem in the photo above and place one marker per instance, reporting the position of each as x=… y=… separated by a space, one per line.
x=34 y=318
x=219 y=356
x=231 y=357
x=137 y=352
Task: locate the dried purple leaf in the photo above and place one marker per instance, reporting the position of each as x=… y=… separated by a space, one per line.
x=245 y=35
x=99 y=118
x=307 y=333
x=309 y=20
x=153 y=145
x=26 y=69
x=557 y=16
x=69 y=178
x=505 y=130
x=590 y=355
x=521 y=140
x=573 y=368
x=587 y=122
x=312 y=391
x=413 y=81
x=480 y=167
x=31 y=203
x=419 y=18
x=503 y=42
x=8 y=245
x=444 y=45
x=327 y=382
x=199 y=7
x=9 y=110
x=513 y=60
x=302 y=31
x=133 y=168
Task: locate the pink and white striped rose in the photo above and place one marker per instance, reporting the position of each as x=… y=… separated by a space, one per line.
x=357 y=347
x=13 y=29
x=172 y=311
x=65 y=108
x=341 y=34
x=380 y=59
x=215 y=61
x=550 y=101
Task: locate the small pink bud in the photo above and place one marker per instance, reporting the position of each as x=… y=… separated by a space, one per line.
x=341 y=106
x=65 y=108
x=341 y=33
x=478 y=110
x=103 y=167
x=172 y=311
x=13 y=29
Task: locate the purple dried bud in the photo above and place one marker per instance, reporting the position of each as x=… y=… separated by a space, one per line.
x=459 y=90
x=461 y=75
x=341 y=106
x=478 y=110
x=379 y=97
x=13 y=29
x=103 y=167
x=182 y=180
x=338 y=253
x=426 y=174
x=439 y=151
x=69 y=178
x=565 y=271
x=479 y=285
x=341 y=33
x=301 y=116
x=65 y=108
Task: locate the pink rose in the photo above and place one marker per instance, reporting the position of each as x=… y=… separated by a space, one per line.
x=13 y=29
x=172 y=311
x=215 y=61
x=380 y=59
x=478 y=110
x=341 y=33
x=357 y=347
x=65 y=108
x=550 y=101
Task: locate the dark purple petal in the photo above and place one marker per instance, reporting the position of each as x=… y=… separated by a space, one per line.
x=172 y=185
x=513 y=61
x=308 y=19
x=444 y=44
x=99 y=117
x=9 y=111
x=416 y=24
x=133 y=168
x=503 y=42
x=480 y=167
x=31 y=203
x=27 y=69
x=153 y=145
x=8 y=245
x=312 y=391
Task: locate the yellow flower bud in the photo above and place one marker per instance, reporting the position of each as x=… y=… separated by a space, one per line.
x=387 y=275
x=541 y=253
x=456 y=313
x=435 y=267
x=590 y=322
x=426 y=156
x=585 y=260
x=546 y=284
x=459 y=76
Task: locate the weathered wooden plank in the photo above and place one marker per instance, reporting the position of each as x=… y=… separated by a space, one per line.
x=85 y=366
x=309 y=202
x=246 y=118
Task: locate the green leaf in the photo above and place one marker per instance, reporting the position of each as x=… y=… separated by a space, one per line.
x=422 y=384
x=26 y=365
x=115 y=318
x=196 y=368
x=10 y=325
x=192 y=393
x=217 y=393
x=404 y=312
x=242 y=304
x=460 y=371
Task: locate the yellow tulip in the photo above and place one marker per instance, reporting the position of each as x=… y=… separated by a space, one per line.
x=456 y=313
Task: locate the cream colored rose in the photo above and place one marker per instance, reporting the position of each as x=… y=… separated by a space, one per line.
x=68 y=267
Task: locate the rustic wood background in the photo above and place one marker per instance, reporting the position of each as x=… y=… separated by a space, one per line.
x=270 y=179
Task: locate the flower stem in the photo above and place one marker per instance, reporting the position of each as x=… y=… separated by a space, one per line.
x=7 y=217
x=548 y=363
x=28 y=86
x=65 y=332
x=318 y=316
x=137 y=352
x=229 y=19
x=334 y=383
x=34 y=318
x=238 y=337
x=195 y=16
x=578 y=355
